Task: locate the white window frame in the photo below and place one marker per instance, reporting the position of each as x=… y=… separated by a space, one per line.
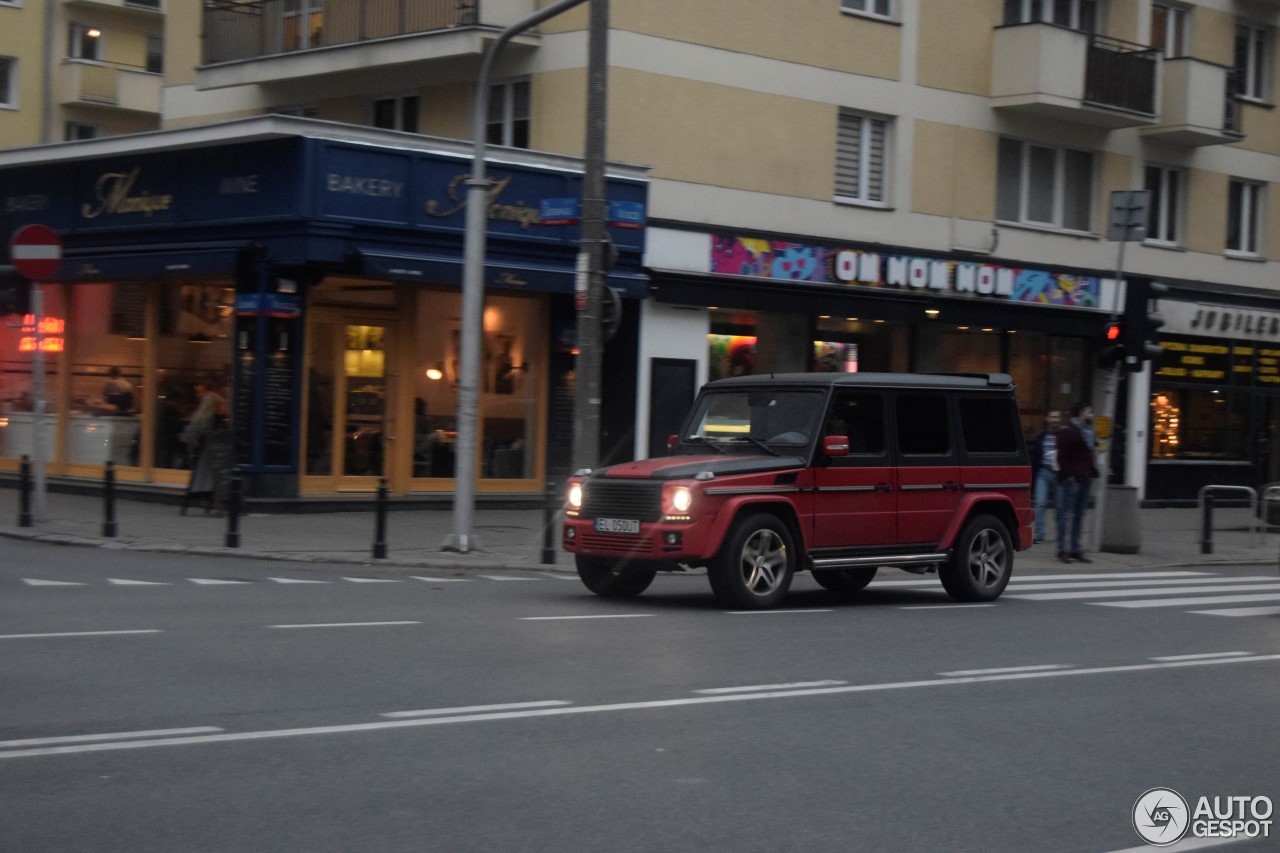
x=869 y=8
x=503 y=96
x=399 y=108
x=76 y=35
x=1177 y=29
x=1250 y=211
x=1059 y=184
x=1166 y=205
x=1254 y=77
x=9 y=93
x=1042 y=11
x=867 y=124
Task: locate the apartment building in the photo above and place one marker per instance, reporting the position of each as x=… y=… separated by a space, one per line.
x=822 y=185
x=79 y=69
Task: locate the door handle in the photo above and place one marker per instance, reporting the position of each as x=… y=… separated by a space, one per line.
x=883 y=487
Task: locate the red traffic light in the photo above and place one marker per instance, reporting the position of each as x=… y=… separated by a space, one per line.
x=1113 y=331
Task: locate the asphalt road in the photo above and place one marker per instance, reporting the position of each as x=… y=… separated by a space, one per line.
x=154 y=702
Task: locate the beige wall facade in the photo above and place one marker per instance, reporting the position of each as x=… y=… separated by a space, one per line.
x=21 y=34
x=955 y=50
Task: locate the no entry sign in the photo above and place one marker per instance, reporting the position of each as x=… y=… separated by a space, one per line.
x=36 y=251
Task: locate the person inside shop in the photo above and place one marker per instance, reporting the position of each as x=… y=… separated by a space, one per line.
x=1044 y=469
x=1076 y=473
x=206 y=421
x=117 y=392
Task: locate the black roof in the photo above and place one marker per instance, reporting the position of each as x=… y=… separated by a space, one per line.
x=973 y=381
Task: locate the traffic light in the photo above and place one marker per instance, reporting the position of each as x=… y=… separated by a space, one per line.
x=15 y=291
x=1113 y=352
x=1140 y=331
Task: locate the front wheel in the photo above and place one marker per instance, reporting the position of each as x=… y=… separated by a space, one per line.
x=754 y=566
x=981 y=562
x=844 y=580
x=614 y=578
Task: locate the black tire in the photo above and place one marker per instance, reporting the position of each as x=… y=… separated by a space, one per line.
x=981 y=562
x=614 y=578
x=844 y=580
x=755 y=564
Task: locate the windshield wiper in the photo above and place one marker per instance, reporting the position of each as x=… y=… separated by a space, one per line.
x=761 y=444
x=702 y=439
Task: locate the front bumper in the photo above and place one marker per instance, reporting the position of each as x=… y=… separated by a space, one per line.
x=665 y=541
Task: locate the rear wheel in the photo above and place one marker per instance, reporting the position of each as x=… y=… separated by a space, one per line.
x=981 y=562
x=844 y=580
x=754 y=566
x=615 y=578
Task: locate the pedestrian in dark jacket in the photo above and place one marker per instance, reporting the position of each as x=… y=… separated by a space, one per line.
x=1076 y=473
x=1044 y=469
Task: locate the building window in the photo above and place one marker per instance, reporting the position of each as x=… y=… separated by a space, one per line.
x=1252 y=61
x=301 y=24
x=155 y=54
x=1244 y=210
x=1169 y=29
x=1165 y=186
x=85 y=42
x=881 y=8
x=76 y=130
x=1075 y=14
x=396 y=113
x=509 y=114
x=861 y=157
x=8 y=81
x=1039 y=185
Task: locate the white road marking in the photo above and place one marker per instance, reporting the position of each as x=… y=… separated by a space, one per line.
x=346 y=624
x=1183 y=602
x=442 y=580
x=351 y=728
x=754 y=687
x=1029 y=586
x=556 y=577
x=1241 y=611
x=79 y=634
x=374 y=580
x=474 y=709
x=293 y=580
x=506 y=578
x=942 y=606
x=1204 y=656
x=215 y=581
x=38 y=582
x=126 y=582
x=1187 y=844
x=596 y=616
x=775 y=612
x=1044 y=667
x=41 y=741
x=1018 y=579
x=1130 y=593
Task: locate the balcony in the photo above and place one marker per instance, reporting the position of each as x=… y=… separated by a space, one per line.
x=271 y=41
x=1197 y=104
x=147 y=8
x=1084 y=78
x=101 y=84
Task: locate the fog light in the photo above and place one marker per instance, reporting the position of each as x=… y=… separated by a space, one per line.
x=672 y=537
x=569 y=532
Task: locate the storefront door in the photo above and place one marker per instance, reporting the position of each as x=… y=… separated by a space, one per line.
x=350 y=397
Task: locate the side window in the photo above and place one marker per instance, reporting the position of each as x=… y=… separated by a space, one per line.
x=923 y=425
x=861 y=418
x=987 y=424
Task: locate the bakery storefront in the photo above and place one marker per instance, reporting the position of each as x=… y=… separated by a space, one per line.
x=308 y=275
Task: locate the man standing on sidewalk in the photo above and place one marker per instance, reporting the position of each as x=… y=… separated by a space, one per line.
x=1044 y=468
x=1076 y=473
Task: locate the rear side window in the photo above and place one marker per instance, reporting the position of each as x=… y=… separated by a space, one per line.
x=923 y=425
x=987 y=425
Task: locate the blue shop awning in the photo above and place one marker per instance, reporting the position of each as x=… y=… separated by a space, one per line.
x=498 y=274
x=110 y=265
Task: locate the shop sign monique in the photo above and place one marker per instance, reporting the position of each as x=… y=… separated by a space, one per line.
x=112 y=193
x=518 y=212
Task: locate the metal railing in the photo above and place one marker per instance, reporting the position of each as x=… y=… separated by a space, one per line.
x=1205 y=501
x=1121 y=74
x=1231 y=119
x=234 y=30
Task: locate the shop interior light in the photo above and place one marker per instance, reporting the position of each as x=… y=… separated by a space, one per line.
x=93 y=33
x=932 y=313
x=435 y=374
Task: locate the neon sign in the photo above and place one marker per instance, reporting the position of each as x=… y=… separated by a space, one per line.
x=52 y=330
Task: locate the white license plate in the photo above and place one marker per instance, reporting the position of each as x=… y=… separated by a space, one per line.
x=617 y=525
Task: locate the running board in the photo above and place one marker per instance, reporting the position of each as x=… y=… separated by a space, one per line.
x=883 y=560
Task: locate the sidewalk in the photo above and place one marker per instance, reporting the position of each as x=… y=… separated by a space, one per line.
x=513 y=538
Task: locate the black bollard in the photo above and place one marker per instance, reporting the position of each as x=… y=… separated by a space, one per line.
x=236 y=487
x=380 y=523
x=109 y=500
x=24 y=493
x=549 y=507
x=1206 y=525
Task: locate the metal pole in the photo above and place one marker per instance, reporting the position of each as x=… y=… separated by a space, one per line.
x=1110 y=397
x=1206 y=525
x=549 y=507
x=109 y=499
x=236 y=487
x=464 y=494
x=24 y=492
x=37 y=400
x=588 y=371
x=380 y=522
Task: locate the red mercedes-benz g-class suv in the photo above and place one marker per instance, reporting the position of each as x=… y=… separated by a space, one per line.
x=834 y=473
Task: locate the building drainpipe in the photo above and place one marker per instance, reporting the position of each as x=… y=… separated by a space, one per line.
x=46 y=83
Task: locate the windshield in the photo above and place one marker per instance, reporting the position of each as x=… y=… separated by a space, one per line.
x=776 y=418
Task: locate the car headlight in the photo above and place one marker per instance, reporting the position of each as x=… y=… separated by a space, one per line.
x=574 y=495
x=681 y=499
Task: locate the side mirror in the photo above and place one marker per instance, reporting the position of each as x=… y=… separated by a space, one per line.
x=672 y=440
x=835 y=445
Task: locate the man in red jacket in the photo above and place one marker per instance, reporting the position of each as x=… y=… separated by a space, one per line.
x=1076 y=473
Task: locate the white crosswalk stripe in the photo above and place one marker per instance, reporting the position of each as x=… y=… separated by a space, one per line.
x=39 y=582
x=1273 y=586
x=127 y=582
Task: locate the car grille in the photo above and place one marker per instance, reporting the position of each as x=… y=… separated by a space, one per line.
x=614 y=544
x=641 y=500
